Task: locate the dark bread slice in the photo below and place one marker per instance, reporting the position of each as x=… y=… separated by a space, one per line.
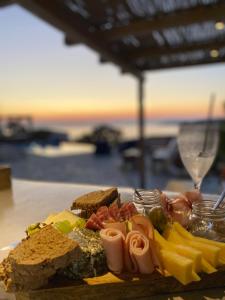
x=116 y=201
x=92 y=201
x=37 y=258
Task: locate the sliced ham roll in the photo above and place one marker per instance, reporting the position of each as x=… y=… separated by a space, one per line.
x=143 y=225
x=138 y=254
x=116 y=225
x=113 y=243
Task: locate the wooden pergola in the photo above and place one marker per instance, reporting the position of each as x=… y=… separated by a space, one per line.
x=139 y=35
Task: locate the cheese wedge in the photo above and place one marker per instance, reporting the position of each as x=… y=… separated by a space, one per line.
x=173 y=236
x=214 y=243
x=207 y=267
x=162 y=242
x=191 y=253
x=183 y=250
x=182 y=231
x=180 y=267
x=62 y=216
x=209 y=252
x=185 y=234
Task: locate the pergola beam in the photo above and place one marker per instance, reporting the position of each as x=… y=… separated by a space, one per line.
x=184 y=64
x=71 y=41
x=182 y=18
x=6 y=2
x=61 y=17
x=159 y=51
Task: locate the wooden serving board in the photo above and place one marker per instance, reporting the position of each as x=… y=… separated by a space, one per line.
x=111 y=287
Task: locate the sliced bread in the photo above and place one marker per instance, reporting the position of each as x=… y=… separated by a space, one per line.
x=37 y=258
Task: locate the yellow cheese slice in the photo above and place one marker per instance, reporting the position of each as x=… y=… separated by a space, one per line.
x=173 y=236
x=209 y=252
x=62 y=216
x=191 y=253
x=162 y=242
x=182 y=231
x=207 y=267
x=214 y=243
x=185 y=234
x=180 y=267
x=183 y=250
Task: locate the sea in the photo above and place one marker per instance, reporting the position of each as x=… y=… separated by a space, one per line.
x=75 y=162
x=128 y=128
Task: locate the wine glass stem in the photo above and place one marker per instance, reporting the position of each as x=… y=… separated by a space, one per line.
x=197 y=185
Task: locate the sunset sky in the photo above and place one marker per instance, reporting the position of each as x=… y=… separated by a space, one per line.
x=42 y=77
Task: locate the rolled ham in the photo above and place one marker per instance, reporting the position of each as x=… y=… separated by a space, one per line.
x=113 y=243
x=116 y=225
x=143 y=225
x=138 y=254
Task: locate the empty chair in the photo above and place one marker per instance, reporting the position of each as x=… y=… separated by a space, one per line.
x=164 y=157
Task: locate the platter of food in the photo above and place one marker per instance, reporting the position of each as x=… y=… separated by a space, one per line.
x=100 y=247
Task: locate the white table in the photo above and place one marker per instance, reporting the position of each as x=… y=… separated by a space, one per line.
x=30 y=202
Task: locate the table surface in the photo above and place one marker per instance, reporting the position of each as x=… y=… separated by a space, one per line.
x=29 y=202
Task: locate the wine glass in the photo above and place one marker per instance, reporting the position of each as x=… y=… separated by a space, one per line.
x=198 y=144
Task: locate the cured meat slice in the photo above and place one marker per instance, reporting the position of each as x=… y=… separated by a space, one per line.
x=193 y=196
x=103 y=213
x=129 y=260
x=113 y=243
x=111 y=214
x=94 y=222
x=116 y=225
x=143 y=225
x=114 y=212
x=179 y=207
x=132 y=208
x=127 y=210
x=138 y=246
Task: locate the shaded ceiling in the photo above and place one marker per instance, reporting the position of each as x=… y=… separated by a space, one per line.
x=139 y=35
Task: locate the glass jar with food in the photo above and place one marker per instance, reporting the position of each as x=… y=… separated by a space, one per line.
x=207 y=222
x=148 y=202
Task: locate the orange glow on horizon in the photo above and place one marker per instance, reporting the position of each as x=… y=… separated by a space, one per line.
x=65 y=111
x=110 y=116
x=167 y=113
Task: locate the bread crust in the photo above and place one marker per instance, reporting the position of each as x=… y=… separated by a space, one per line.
x=90 y=202
x=36 y=259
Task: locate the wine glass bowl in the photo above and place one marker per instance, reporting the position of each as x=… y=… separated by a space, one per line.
x=198 y=144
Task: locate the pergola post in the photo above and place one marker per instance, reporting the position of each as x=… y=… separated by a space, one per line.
x=141 y=131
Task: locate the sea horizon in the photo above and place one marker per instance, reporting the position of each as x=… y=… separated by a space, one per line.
x=128 y=127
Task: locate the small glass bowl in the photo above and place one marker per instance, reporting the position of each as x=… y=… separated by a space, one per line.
x=206 y=222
